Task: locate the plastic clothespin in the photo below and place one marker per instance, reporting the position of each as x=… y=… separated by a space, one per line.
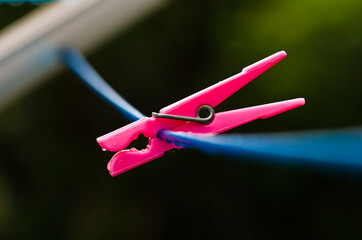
x=184 y=116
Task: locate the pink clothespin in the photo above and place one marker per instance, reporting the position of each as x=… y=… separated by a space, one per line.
x=184 y=116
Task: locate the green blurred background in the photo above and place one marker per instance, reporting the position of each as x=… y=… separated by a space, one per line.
x=53 y=178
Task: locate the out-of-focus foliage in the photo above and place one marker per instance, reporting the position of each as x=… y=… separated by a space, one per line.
x=53 y=179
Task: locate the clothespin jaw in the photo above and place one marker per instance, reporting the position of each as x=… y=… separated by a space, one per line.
x=184 y=116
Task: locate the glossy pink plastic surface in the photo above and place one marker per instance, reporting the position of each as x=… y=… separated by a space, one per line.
x=212 y=96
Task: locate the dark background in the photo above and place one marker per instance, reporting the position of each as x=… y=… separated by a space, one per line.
x=53 y=178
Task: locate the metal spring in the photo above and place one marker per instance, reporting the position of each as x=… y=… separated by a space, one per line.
x=199 y=119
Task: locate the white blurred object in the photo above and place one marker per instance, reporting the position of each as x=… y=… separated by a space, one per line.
x=28 y=47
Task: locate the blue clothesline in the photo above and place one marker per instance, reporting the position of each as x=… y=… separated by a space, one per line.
x=338 y=148
x=79 y=65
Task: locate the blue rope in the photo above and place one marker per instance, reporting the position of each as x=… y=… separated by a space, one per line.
x=341 y=148
x=335 y=148
x=79 y=65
